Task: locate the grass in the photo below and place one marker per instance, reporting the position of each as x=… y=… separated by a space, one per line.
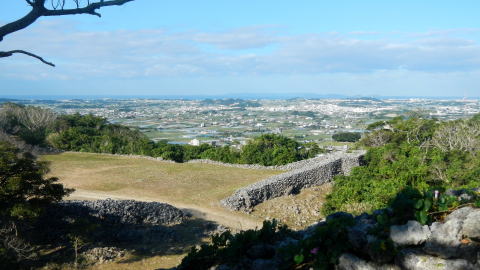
x=198 y=187
x=200 y=184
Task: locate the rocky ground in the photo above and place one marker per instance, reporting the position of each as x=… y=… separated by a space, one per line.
x=297 y=211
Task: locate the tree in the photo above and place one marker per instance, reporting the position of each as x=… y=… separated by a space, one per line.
x=24 y=194
x=58 y=8
x=347 y=136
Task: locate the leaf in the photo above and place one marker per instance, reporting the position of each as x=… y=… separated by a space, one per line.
x=419 y=204
x=442 y=200
x=422 y=217
x=298 y=258
x=427 y=204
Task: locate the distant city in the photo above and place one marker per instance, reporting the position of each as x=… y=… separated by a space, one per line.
x=232 y=121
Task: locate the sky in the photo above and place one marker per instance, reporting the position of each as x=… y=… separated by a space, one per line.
x=220 y=47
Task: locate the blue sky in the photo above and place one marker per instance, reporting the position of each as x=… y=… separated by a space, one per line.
x=162 y=47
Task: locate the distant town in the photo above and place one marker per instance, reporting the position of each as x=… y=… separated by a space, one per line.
x=233 y=121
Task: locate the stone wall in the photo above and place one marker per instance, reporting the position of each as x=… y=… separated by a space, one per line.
x=127 y=212
x=314 y=172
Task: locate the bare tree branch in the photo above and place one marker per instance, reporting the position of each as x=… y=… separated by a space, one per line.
x=89 y=9
x=10 y=53
x=39 y=10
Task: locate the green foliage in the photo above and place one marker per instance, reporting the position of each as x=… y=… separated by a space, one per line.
x=24 y=194
x=323 y=248
x=271 y=149
x=347 y=136
x=230 y=249
x=24 y=190
x=88 y=133
x=405 y=155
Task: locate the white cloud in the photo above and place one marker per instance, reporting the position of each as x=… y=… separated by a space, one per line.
x=245 y=51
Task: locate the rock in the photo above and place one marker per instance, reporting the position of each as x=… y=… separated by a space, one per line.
x=352 y=262
x=445 y=239
x=461 y=213
x=261 y=251
x=358 y=234
x=410 y=259
x=412 y=233
x=101 y=255
x=462 y=194
x=471 y=225
x=262 y=264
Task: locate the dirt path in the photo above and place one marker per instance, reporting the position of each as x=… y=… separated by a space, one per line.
x=236 y=221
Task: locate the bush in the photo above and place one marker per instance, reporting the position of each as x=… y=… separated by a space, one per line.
x=347 y=136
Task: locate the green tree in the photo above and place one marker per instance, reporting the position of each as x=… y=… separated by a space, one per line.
x=347 y=136
x=24 y=193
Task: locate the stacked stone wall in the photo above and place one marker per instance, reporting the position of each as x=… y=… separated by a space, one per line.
x=313 y=174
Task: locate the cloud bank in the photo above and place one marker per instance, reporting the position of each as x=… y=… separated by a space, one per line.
x=258 y=51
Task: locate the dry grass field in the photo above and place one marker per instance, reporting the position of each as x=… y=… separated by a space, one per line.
x=196 y=188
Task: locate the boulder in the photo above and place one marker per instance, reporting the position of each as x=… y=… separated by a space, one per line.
x=358 y=234
x=412 y=259
x=445 y=239
x=471 y=225
x=412 y=233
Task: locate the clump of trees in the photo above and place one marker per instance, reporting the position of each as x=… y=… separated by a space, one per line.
x=347 y=136
x=416 y=153
x=271 y=149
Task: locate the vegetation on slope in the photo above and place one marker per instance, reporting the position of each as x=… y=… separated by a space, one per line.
x=88 y=133
x=416 y=153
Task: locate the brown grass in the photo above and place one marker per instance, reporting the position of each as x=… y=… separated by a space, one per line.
x=199 y=184
x=198 y=187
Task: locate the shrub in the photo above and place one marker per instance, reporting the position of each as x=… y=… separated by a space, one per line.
x=347 y=136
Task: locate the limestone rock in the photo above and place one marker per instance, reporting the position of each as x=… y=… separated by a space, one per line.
x=461 y=213
x=410 y=259
x=445 y=239
x=351 y=262
x=101 y=255
x=358 y=234
x=311 y=173
x=471 y=225
x=412 y=233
